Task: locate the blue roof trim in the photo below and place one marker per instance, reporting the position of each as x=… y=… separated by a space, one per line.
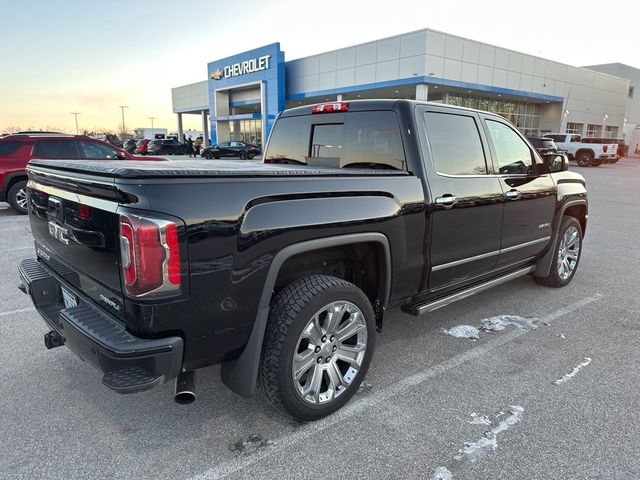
x=242 y=116
x=428 y=80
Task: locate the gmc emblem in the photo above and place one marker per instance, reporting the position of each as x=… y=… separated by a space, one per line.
x=58 y=232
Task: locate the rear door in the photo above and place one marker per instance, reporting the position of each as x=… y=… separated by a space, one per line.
x=63 y=148
x=529 y=192
x=466 y=201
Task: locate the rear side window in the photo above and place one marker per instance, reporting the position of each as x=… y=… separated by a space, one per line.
x=361 y=139
x=56 y=149
x=456 y=148
x=7 y=148
x=97 y=150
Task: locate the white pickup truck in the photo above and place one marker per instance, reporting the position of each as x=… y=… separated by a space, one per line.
x=586 y=154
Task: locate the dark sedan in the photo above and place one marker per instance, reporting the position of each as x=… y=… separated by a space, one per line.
x=169 y=146
x=544 y=145
x=242 y=150
x=130 y=145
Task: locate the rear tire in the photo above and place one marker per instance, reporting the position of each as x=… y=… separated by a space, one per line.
x=317 y=347
x=584 y=159
x=243 y=155
x=17 y=197
x=566 y=258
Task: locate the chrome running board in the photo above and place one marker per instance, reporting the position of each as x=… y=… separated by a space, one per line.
x=430 y=306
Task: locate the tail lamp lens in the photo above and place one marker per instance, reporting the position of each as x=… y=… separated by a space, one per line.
x=330 y=107
x=150 y=255
x=605 y=148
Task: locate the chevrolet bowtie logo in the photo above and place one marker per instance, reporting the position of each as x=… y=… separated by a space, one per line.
x=216 y=74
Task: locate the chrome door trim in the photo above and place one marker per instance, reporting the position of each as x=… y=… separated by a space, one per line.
x=526 y=244
x=465 y=260
x=488 y=254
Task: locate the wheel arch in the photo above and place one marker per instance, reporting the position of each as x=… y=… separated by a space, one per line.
x=574 y=208
x=240 y=375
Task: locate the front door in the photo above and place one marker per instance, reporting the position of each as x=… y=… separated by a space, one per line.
x=530 y=194
x=466 y=201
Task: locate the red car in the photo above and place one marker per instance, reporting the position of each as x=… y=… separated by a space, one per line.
x=142 y=146
x=17 y=150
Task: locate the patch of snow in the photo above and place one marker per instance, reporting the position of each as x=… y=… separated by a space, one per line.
x=500 y=322
x=479 y=419
x=489 y=441
x=442 y=473
x=573 y=372
x=463 y=331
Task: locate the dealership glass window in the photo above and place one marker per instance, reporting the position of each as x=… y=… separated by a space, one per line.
x=456 y=148
x=513 y=154
x=611 y=132
x=594 y=130
x=525 y=115
x=574 y=128
x=56 y=149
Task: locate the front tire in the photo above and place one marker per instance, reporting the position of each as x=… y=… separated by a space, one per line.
x=318 y=345
x=566 y=258
x=17 y=197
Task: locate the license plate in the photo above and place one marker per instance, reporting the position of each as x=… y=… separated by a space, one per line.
x=69 y=298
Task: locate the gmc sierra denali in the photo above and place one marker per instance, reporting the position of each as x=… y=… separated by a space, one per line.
x=282 y=271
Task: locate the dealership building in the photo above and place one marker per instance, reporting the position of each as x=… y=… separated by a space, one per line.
x=244 y=93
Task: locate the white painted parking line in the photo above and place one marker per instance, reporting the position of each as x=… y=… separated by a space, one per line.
x=358 y=406
x=12 y=312
x=30 y=247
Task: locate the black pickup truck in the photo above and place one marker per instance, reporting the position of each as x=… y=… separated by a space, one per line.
x=282 y=271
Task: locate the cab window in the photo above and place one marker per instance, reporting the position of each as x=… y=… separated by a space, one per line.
x=456 y=148
x=513 y=154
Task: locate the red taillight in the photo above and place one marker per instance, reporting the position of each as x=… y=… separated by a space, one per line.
x=330 y=107
x=150 y=255
x=605 y=148
x=84 y=211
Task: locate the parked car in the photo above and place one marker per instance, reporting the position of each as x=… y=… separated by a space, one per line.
x=17 y=150
x=166 y=147
x=622 y=148
x=543 y=144
x=242 y=150
x=141 y=146
x=130 y=145
x=585 y=153
x=283 y=271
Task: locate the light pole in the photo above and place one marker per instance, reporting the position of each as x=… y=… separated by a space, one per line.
x=604 y=127
x=75 y=114
x=152 y=132
x=122 y=107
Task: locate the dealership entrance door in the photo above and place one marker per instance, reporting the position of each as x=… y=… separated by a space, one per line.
x=249 y=131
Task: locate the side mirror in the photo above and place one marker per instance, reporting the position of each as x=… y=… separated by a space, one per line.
x=557 y=162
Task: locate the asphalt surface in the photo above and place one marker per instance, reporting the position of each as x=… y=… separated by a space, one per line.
x=559 y=401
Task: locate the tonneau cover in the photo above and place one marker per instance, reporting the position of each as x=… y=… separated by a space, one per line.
x=199 y=168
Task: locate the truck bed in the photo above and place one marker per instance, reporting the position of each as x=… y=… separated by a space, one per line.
x=202 y=168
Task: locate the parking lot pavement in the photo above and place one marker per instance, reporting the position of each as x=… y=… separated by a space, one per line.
x=556 y=399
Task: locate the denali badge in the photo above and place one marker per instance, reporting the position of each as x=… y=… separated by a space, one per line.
x=110 y=302
x=58 y=232
x=543 y=225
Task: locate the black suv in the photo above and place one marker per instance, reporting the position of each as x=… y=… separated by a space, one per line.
x=242 y=150
x=166 y=147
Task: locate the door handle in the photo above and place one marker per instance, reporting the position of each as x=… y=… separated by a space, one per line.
x=512 y=195
x=446 y=201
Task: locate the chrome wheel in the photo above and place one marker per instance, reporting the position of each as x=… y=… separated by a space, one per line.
x=568 y=252
x=21 y=198
x=329 y=352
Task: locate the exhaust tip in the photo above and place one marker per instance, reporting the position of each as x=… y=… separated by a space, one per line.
x=185 y=388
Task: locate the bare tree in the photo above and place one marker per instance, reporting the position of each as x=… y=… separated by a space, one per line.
x=12 y=129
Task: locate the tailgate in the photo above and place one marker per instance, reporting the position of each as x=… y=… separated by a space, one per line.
x=75 y=227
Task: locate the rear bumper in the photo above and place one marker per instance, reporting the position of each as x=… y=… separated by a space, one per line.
x=130 y=364
x=608 y=158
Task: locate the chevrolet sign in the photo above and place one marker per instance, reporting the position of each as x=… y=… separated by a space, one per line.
x=242 y=68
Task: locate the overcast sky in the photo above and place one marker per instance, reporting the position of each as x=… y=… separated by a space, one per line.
x=91 y=56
